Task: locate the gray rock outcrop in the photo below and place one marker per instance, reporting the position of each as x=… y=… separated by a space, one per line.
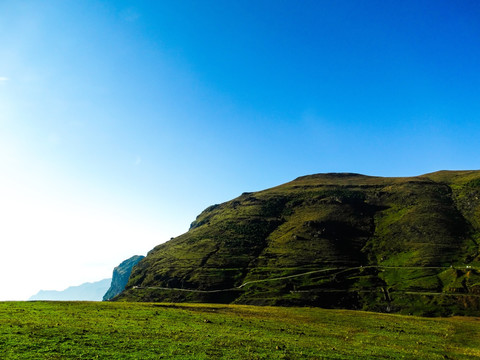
x=120 y=277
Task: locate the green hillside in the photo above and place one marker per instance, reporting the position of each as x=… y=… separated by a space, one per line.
x=406 y=245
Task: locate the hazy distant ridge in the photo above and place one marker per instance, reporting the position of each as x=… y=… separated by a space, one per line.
x=90 y=291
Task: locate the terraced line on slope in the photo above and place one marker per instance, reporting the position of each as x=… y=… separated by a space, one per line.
x=342 y=269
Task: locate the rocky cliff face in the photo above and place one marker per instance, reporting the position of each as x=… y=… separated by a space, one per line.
x=408 y=245
x=120 y=277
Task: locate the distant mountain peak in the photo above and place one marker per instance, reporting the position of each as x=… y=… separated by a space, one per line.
x=90 y=291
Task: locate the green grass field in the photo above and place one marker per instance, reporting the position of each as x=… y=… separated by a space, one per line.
x=89 y=330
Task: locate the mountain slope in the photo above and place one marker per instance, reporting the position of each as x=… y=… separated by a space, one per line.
x=84 y=292
x=335 y=240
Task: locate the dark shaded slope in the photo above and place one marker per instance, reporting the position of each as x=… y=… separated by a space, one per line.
x=334 y=240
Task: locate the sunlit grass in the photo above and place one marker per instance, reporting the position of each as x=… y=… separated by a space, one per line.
x=82 y=330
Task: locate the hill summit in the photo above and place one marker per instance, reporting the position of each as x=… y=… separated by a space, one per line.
x=342 y=240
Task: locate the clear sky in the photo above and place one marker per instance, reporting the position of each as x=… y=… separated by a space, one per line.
x=120 y=121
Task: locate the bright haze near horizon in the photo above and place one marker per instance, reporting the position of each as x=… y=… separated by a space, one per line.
x=120 y=121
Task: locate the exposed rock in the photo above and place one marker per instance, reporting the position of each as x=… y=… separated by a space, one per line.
x=120 y=276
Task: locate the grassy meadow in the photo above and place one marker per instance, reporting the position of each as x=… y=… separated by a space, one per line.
x=91 y=330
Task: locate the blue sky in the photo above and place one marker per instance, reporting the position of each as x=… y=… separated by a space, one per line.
x=121 y=120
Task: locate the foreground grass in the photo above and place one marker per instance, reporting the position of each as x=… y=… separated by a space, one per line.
x=83 y=330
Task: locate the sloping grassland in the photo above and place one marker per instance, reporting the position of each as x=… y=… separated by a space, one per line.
x=408 y=245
